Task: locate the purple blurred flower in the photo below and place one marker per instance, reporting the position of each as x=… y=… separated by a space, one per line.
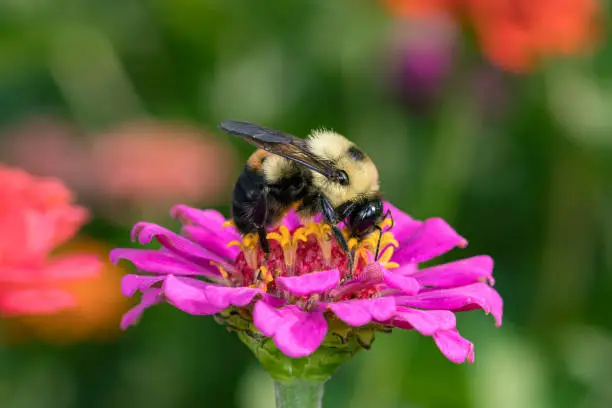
x=305 y=293
x=422 y=58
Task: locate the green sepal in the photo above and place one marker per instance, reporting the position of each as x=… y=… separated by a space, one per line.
x=339 y=346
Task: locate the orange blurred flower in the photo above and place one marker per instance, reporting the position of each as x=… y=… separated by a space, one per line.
x=516 y=34
x=36 y=215
x=100 y=305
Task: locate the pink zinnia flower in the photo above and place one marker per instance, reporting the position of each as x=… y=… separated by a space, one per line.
x=305 y=298
x=36 y=216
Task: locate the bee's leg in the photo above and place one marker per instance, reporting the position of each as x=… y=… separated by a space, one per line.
x=380 y=233
x=330 y=216
x=260 y=216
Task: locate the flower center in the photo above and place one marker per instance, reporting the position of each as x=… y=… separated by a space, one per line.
x=307 y=249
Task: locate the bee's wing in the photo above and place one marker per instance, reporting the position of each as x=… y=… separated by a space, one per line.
x=283 y=144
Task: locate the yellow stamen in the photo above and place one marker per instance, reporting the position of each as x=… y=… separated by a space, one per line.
x=386 y=223
x=386 y=256
x=265 y=275
x=353 y=242
x=391 y=265
x=323 y=234
x=289 y=243
x=222 y=271
x=229 y=223
x=249 y=246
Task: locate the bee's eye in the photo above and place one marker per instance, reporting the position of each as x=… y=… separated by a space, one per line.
x=343 y=178
x=355 y=153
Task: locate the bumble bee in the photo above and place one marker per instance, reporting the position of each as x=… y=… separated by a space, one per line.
x=323 y=174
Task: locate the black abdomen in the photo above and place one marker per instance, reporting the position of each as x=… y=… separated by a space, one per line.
x=257 y=204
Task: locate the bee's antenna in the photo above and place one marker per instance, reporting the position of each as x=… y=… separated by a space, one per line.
x=390 y=215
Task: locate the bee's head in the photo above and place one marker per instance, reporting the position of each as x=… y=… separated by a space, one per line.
x=365 y=216
x=358 y=176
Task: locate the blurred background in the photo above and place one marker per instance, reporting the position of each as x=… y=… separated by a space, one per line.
x=494 y=115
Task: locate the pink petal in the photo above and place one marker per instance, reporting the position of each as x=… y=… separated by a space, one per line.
x=210 y=240
x=210 y=220
x=403 y=224
x=458 y=273
x=145 y=232
x=149 y=298
x=35 y=302
x=407 y=269
x=296 y=333
x=426 y=322
x=223 y=297
x=188 y=295
x=310 y=283
x=131 y=283
x=433 y=238
x=474 y=296
x=155 y=261
x=302 y=333
x=454 y=347
x=362 y=311
x=266 y=318
x=292 y=221
x=406 y=284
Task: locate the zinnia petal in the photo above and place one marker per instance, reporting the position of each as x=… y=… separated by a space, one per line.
x=454 y=347
x=302 y=333
x=403 y=224
x=149 y=298
x=362 y=311
x=458 y=273
x=165 y=263
x=316 y=282
x=433 y=238
x=210 y=220
x=211 y=240
x=188 y=295
x=145 y=232
x=426 y=322
x=266 y=318
x=296 y=333
x=477 y=295
x=406 y=284
x=131 y=283
x=292 y=221
x=223 y=297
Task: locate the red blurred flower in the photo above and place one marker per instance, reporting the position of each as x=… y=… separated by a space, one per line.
x=516 y=34
x=99 y=305
x=36 y=215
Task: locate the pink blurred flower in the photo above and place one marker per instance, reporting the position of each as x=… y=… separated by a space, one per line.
x=36 y=216
x=305 y=296
x=146 y=162
x=136 y=168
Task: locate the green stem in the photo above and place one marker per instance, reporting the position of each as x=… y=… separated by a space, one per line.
x=298 y=393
